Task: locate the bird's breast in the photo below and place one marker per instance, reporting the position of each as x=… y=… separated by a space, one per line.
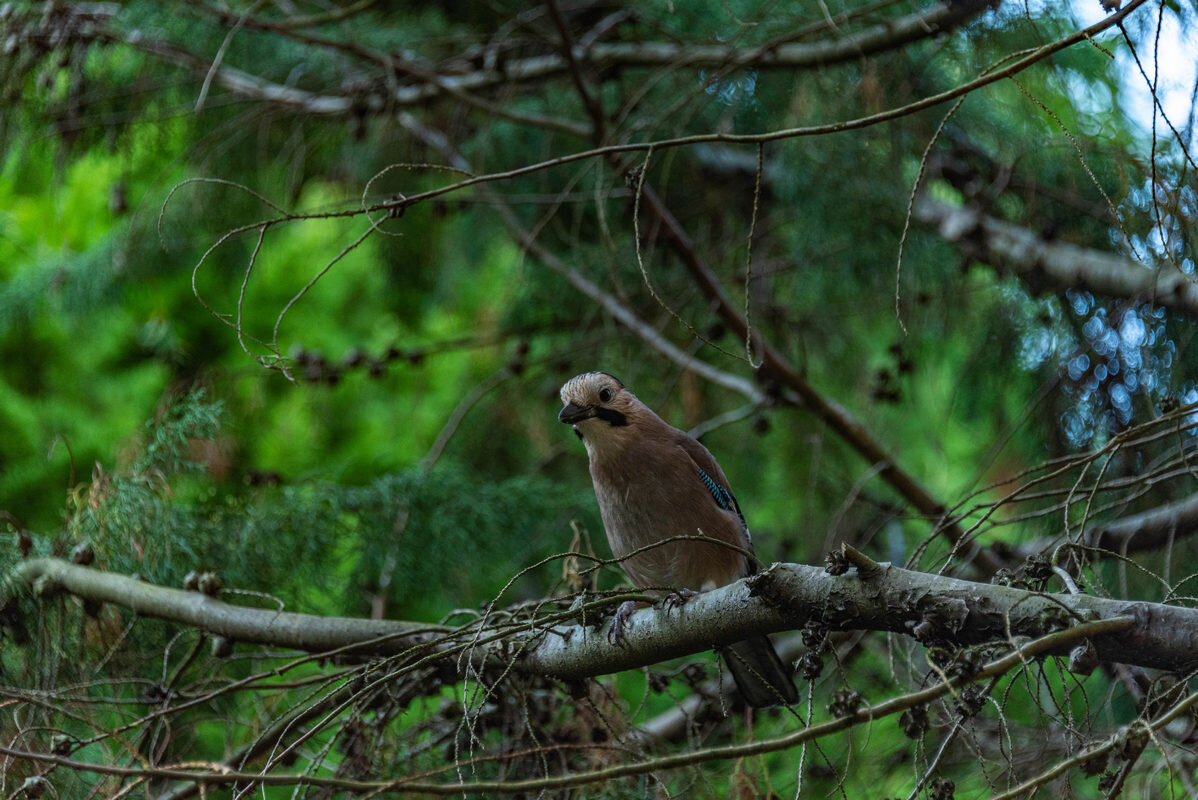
x=644 y=503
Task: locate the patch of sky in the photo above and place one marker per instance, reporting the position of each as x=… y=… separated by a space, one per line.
x=1167 y=57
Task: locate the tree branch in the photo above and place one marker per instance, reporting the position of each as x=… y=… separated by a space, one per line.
x=251 y=625
x=1148 y=530
x=611 y=57
x=945 y=610
x=1012 y=249
x=936 y=609
x=256 y=88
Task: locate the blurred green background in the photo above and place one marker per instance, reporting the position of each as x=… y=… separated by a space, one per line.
x=410 y=458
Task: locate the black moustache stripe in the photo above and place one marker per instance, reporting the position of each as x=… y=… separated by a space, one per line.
x=611 y=416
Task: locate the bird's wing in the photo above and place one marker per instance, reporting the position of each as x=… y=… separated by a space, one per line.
x=714 y=480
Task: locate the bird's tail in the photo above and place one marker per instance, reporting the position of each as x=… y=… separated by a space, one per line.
x=760 y=675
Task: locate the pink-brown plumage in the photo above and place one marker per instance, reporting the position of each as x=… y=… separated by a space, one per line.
x=654 y=482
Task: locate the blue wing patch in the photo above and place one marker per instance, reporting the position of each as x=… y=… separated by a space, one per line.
x=722 y=497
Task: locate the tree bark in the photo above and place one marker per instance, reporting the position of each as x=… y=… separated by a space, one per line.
x=937 y=610
x=1059 y=265
x=605 y=57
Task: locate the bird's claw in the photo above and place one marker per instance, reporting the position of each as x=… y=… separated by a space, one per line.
x=677 y=599
x=615 y=634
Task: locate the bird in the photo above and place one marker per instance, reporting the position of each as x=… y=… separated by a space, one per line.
x=654 y=482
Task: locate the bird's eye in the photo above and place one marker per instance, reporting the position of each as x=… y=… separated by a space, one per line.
x=604 y=395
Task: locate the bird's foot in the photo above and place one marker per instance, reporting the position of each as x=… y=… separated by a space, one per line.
x=677 y=599
x=615 y=634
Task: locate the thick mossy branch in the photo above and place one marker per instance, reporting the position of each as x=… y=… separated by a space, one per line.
x=940 y=611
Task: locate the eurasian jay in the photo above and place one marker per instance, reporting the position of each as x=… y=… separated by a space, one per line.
x=654 y=482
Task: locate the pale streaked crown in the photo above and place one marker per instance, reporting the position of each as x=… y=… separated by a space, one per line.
x=586 y=389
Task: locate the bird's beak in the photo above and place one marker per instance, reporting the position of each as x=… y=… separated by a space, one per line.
x=575 y=413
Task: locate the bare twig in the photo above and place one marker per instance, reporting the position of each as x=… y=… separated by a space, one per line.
x=1090 y=754
x=220 y=774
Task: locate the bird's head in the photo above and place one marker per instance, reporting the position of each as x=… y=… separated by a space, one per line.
x=598 y=406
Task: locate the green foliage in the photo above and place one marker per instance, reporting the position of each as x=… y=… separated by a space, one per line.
x=409 y=459
x=320 y=546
